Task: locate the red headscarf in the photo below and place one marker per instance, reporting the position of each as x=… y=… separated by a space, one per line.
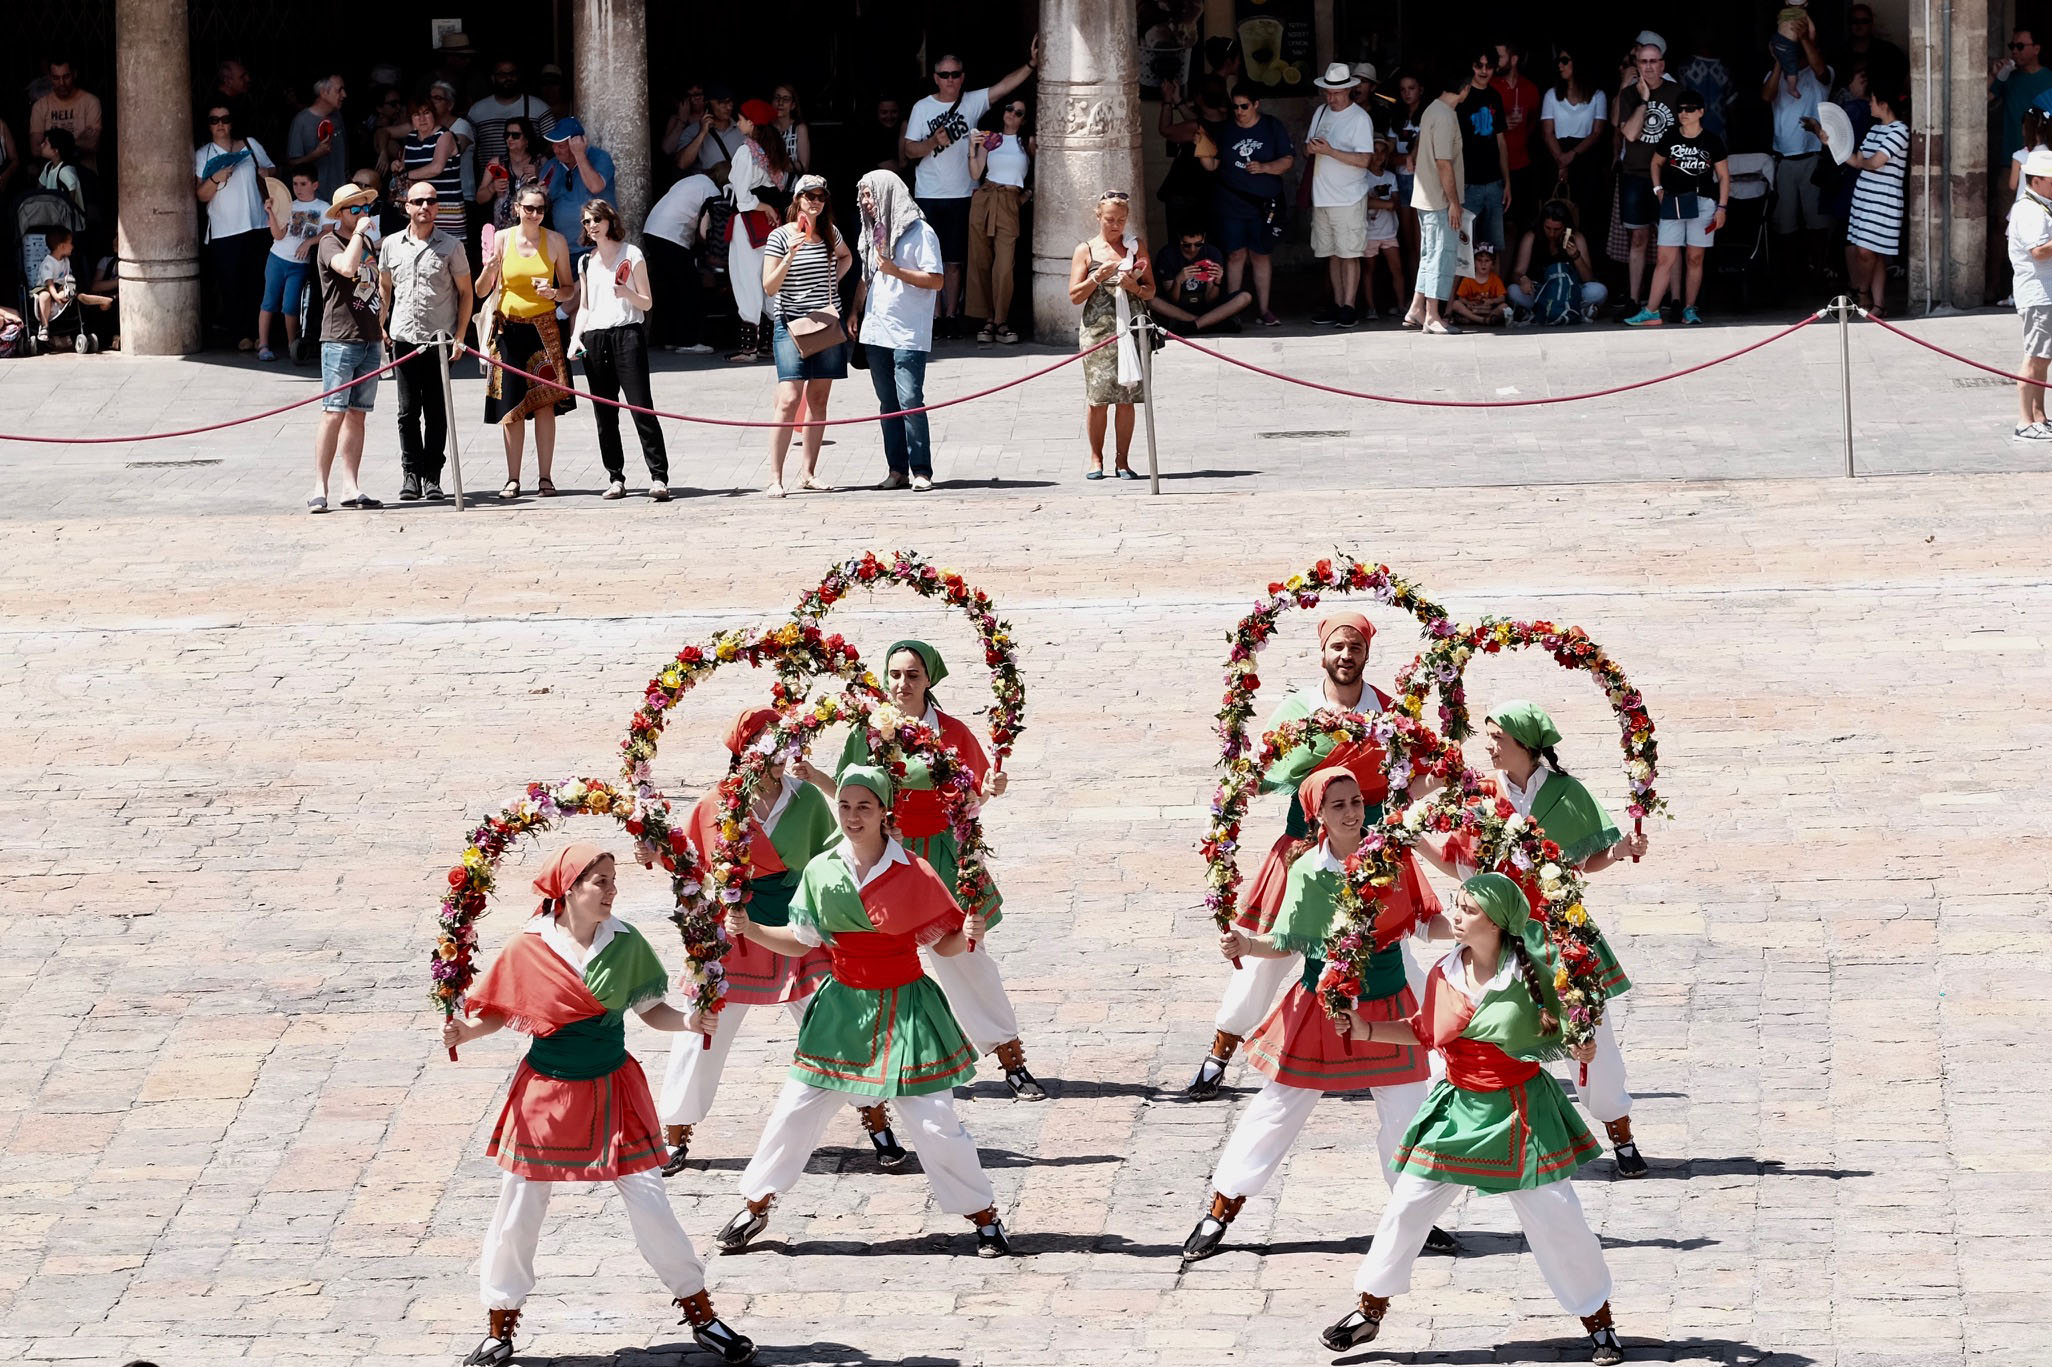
x=748 y=726
x=758 y=111
x=1333 y=621
x=1311 y=792
x=559 y=874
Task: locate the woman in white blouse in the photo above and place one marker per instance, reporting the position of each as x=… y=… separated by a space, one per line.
x=1000 y=160
x=1574 y=118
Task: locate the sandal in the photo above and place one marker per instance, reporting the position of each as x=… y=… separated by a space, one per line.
x=511 y=489
x=546 y=487
x=986 y=335
x=1007 y=337
x=815 y=484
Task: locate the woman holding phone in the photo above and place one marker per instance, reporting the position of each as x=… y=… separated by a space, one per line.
x=612 y=336
x=1109 y=275
x=1000 y=160
x=802 y=265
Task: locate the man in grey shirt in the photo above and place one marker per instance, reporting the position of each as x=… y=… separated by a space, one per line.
x=318 y=141
x=424 y=277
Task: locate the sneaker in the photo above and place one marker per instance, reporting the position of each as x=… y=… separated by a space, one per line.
x=921 y=484
x=2031 y=431
x=1347 y=318
x=409 y=489
x=1691 y=317
x=1625 y=308
x=1269 y=320
x=616 y=489
x=1644 y=318
x=659 y=493
x=1519 y=318
x=896 y=479
x=430 y=489
x=1324 y=318
x=266 y=354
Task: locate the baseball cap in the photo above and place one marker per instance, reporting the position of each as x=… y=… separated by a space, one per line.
x=567 y=127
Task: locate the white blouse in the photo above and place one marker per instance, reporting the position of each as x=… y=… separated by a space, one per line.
x=1007 y=163
x=1574 y=120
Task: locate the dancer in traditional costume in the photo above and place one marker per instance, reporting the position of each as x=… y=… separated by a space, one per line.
x=579 y=1108
x=790 y=821
x=1528 y=774
x=1498 y=1122
x=1297 y=1048
x=975 y=988
x=1343 y=642
x=879 y=1029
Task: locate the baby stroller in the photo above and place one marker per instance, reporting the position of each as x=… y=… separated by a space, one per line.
x=34 y=215
x=1739 y=259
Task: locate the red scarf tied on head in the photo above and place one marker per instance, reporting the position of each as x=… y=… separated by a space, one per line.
x=1311 y=792
x=560 y=874
x=750 y=724
x=1333 y=621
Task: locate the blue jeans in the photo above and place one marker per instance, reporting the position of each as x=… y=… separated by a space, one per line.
x=899 y=377
x=1485 y=202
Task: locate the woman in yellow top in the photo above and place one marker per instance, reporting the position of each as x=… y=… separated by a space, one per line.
x=530 y=267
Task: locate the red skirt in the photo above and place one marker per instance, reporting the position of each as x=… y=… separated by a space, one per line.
x=763 y=977
x=557 y=1130
x=1299 y=1046
x=1263 y=902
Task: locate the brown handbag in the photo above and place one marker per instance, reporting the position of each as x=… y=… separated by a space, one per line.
x=816 y=331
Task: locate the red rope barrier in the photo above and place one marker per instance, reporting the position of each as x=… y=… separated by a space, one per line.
x=210 y=427
x=1495 y=403
x=1950 y=355
x=810 y=422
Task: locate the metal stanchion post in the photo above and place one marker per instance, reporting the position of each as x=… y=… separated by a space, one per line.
x=445 y=346
x=1844 y=305
x=1143 y=325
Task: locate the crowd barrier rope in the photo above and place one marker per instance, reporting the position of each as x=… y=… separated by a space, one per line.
x=1843 y=309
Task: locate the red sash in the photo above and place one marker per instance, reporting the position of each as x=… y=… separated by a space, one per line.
x=918 y=810
x=909 y=907
x=1474 y=1066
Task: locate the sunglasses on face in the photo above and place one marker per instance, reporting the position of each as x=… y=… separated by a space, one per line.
x=947 y=75
x=1241 y=104
x=1563 y=60
x=420 y=203
x=2019 y=47
x=530 y=208
x=819 y=195
x=1018 y=109
x=213 y=119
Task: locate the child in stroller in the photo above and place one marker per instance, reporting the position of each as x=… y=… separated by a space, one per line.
x=59 y=305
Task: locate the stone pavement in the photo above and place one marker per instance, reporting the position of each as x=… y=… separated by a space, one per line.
x=243 y=743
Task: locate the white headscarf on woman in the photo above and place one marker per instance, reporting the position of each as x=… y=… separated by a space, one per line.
x=890 y=211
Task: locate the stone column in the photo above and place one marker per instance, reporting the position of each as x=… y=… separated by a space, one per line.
x=610 y=41
x=156 y=229
x=1966 y=153
x=1089 y=128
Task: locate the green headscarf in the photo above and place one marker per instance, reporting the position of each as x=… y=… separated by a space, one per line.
x=936 y=667
x=1526 y=723
x=868 y=776
x=1503 y=902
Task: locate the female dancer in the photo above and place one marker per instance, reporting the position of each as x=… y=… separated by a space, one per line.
x=790 y=822
x=1497 y=1122
x=975 y=989
x=578 y=1109
x=879 y=1028
x=1297 y=1048
x=1528 y=774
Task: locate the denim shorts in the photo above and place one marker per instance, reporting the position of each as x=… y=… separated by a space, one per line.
x=342 y=362
x=831 y=364
x=284 y=283
x=1438 y=252
x=1637 y=205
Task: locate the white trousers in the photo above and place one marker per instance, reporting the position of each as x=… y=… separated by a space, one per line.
x=928 y=1123
x=505 y=1271
x=1273 y=1119
x=1251 y=992
x=744 y=273
x=1568 y=1253
x=693 y=1076
x=1604 y=1095
x=976 y=994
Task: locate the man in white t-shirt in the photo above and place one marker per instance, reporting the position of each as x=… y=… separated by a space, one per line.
x=937 y=138
x=896 y=307
x=1340 y=142
x=668 y=240
x=1800 y=219
x=489 y=115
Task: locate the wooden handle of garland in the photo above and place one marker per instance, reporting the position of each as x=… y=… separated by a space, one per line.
x=1638 y=828
x=1583 y=1080
x=706 y=1041
x=452 y=1056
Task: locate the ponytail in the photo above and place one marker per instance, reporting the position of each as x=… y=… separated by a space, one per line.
x=1548 y=1022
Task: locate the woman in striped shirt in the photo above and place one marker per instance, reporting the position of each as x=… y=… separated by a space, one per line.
x=1874 y=233
x=430 y=155
x=802 y=266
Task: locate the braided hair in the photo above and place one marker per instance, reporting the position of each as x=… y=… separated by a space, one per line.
x=1548 y=1022
x=1546 y=753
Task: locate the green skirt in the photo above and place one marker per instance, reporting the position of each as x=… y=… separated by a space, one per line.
x=1511 y=1140
x=939 y=851
x=1615 y=983
x=897 y=1041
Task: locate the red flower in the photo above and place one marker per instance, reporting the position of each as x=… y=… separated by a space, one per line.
x=1504 y=810
x=458 y=876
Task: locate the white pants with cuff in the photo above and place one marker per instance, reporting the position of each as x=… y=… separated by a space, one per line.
x=506 y=1268
x=976 y=994
x=1252 y=990
x=1604 y=1095
x=1567 y=1251
x=1276 y=1115
x=693 y=1076
x=744 y=273
x=927 y=1123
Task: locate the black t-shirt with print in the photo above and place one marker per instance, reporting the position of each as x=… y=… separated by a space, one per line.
x=1660 y=122
x=1481 y=116
x=1691 y=164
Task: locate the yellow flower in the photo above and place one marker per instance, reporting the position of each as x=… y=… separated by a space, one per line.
x=473 y=858
x=727 y=651
x=1294 y=583
x=730 y=830
x=1576 y=915
x=1560 y=980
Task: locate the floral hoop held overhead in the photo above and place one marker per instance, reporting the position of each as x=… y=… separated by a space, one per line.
x=909 y=569
x=544 y=807
x=1236 y=789
x=892 y=737
x=1444 y=663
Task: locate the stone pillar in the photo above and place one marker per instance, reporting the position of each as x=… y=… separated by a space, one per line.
x=156 y=226
x=610 y=42
x=1089 y=127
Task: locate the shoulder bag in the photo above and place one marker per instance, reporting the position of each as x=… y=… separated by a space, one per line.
x=815 y=331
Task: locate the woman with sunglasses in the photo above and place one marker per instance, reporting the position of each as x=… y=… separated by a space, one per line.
x=1110 y=276
x=791 y=126
x=1574 y=119
x=530 y=268
x=802 y=266
x=501 y=184
x=1000 y=159
x=226 y=176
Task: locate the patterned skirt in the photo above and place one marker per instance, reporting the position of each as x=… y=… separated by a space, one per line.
x=1299 y=1046
x=535 y=345
x=591 y=1130
x=1509 y=1140
x=894 y=1041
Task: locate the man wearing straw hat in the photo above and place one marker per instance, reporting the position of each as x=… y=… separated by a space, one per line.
x=352 y=340
x=1340 y=142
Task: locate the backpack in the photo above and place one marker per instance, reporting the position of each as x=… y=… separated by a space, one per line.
x=1560 y=295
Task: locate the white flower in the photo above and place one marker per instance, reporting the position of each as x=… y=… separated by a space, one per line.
x=1414 y=816
x=1549 y=873
x=1640 y=770
x=1519 y=859
x=1514 y=823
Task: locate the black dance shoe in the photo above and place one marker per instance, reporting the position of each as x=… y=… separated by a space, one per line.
x=1025 y=1086
x=736 y=1233
x=1351 y=1332
x=889 y=1152
x=991 y=1241
x=1439 y=1241
x=722 y=1342
x=1605 y=1348
x=1628 y=1160
x=1210 y=1077
x=1204 y=1240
